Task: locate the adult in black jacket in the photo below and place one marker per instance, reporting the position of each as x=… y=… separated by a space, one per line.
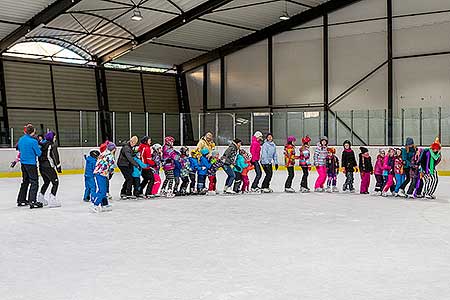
x=49 y=163
x=126 y=164
x=349 y=164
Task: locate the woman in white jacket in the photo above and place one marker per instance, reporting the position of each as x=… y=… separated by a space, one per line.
x=268 y=159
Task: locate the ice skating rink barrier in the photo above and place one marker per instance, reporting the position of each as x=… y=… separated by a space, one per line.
x=72 y=159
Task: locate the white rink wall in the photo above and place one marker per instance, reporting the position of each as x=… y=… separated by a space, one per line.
x=73 y=158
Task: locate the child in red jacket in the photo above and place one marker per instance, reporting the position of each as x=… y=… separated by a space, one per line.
x=245 y=180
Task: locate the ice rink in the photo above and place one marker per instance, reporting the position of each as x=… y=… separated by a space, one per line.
x=273 y=246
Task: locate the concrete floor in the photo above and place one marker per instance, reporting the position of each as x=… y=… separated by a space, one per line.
x=274 y=246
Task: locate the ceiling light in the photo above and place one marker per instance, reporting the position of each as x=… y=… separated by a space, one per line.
x=137 y=16
x=284 y=17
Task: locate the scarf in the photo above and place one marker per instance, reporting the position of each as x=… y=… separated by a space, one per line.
x=434 y=158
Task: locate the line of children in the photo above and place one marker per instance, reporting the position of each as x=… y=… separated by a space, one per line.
x=389 y=169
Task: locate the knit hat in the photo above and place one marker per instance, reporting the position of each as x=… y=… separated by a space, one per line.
x=104 y=146
x=49 y=136
x=306 y=140
x=237 y=141
x=347 y=142
x=184 y=150
x=291 y=139
x=363 y=150
x=156 y=147
x=409 y=141
x=134 y=140
x=331 y=150
x=144 y=139
x=169 y=140
x=324 y=138
x=381 y=151
x=111 y=146
x=258 y=134
x=436 y=146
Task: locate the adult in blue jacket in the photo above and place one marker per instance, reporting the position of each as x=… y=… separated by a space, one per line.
x=268 y=159
x=29 y=151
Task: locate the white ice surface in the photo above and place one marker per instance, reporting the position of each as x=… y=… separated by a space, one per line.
x=273 y=246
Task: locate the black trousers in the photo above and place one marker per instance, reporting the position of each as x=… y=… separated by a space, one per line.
x=407 y=179
x=127 y=173
x=29 y=179
x=49 y=175
x=192 y=184
x=148 y=180
x=288 y=183
x=137 y=186
x=304 y=183
x=184 y=184
x=258 y=174
x=268 y=177
x=380 y=183
x=237 y=181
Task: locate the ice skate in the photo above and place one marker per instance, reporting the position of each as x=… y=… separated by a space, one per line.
x=230 y=191
x=203 y=192
x=430 y=197
x=132 y=197
x=411 y=197
x=23 y=203
x=385 y=194
x=123 y=197
x=110 y=198
x=305 y=190
x=265 y=190
x=256 y=191
x=53 y=202
x=36 y=205
x=211 y=193
x=41 y=199
x=107 y=208
x=318 y=190
x=289 y=190
x=334 y=189
x=352 y=191
x=95 y=208
x=377 y=193
x=170 y=194
x=328 y=190
x=401 y=193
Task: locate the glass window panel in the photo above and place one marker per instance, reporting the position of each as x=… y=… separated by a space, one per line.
x=89 y=129
x=312 y=125
x=243 y=127
x=279 y=126
x=261 y=122
x=138 y=124
x=430 y=124
x=194 y=82
x=225 y=134
x=69 y=128
x=213 y=96
x=173 y=127
x=361 y=10
x=122 y=128
x=155 y=128
x=377 y=123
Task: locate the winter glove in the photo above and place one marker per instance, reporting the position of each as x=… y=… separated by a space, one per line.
x=276 y=167
x=58 y=169
x=13 y=164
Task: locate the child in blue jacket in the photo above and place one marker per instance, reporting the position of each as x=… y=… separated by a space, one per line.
x=177 y=173
x=203 y=168
x=89 y=183
x=193 y=168
x=137 y=172
x=239 y=166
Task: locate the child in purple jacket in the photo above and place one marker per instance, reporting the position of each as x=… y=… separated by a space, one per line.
x=168 y=163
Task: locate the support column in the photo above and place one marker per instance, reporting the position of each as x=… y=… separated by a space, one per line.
x=270 y=80
x=54 y=106
x=103 y=105
x=184 y=108
x=5 y=138
x=390 y=117
x=325 y=75
x=222 y=83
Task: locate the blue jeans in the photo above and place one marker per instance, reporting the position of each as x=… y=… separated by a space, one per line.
x=230 y=174
x=99 y=196
x=399 y=179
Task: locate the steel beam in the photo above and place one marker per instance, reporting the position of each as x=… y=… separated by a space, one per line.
x=325 y=74
x=5 y=138
x=267 y=32
x=390 y=61
x=166 y=27
x=44 y=17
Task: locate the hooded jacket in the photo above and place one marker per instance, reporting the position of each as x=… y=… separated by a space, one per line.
x=320 y=155
x=50 y=156
x=29 y=150
x=379 y=165
x=90 y=166
x=304 y=157
x=105 y=164
x=269 y=153
x=365 y=164
x=332 y=163
x=348 y=160
x=126 y=157
x=289 y=155
x=229 y=156
x=137 y=171
x=203 y=143
x=388 y=165
x=240 y=164
x=203 y=165
x=146 y=154
x=407 y=156
x=255 y=149
x=168 y=158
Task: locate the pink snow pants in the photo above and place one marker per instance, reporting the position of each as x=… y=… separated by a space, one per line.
x=156 y=184
x=322 y=170
x=389 y=183
x=365 y=182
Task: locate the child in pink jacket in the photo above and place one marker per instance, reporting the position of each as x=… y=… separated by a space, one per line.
x=255 y=152
x=378 y=171
x=388 y=171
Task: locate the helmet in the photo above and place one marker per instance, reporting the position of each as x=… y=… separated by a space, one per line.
x=306 y=140
x=156 y=147
x=184 y=150
x=169 y=140
x=94 y=153
x=291 y=139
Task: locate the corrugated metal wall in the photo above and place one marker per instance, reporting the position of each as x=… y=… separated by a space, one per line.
x=124 y=91
x=160 y=93
x=75 y=88
x=28 y=85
